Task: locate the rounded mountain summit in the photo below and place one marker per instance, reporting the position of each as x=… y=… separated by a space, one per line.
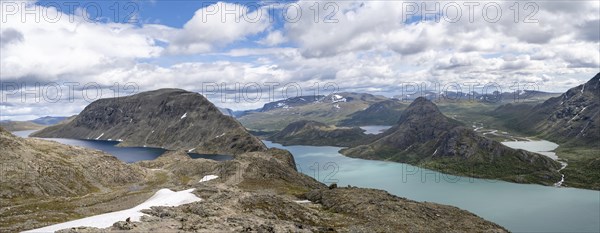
x=173 y=119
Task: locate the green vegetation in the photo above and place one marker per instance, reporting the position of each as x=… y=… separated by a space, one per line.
x=583 y=170
x=507 y=169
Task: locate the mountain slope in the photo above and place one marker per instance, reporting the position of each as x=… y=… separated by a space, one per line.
x=38 y=168
x=318 y=134
x=424 y=136
x=571 y=118
x=168 y=118
x=35 y=124
x=49 y=120
x=381 y=113
x=20 y=125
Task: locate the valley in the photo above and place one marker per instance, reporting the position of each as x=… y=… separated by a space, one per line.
x=313 y=153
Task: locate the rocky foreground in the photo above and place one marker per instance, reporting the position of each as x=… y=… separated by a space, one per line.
x=256 y=192
x=33 y=168
x=262 y=192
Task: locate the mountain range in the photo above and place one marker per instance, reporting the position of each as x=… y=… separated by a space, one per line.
x=330 y=109
x=260 y=189
x=35 y=124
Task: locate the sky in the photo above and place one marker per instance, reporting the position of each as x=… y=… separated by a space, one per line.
x=58 y=56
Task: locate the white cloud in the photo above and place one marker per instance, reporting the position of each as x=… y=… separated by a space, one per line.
x=69 y=46
x=273 y=38
x=376 y=26
x=368 y=49
x=212 y=26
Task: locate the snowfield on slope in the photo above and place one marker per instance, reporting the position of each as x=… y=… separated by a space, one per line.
x=163 y=197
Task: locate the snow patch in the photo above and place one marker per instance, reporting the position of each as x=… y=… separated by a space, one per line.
x=184 y=116
x=303 y=201
x=190 y=150
x=163 y=197
x=98 y=138
x=207 y=178
x=337 y=98
x=221 y=135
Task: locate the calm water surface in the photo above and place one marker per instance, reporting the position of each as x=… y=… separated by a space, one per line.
x=517 y=207
x=126 y=154
x=542 y=147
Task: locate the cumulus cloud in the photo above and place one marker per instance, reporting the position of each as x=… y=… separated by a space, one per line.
x=217 y=25
x=10 y=35
x=68 y=46
x=369 y=48
x=273 y=38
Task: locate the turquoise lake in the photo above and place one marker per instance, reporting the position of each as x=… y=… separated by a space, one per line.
x=517 y=207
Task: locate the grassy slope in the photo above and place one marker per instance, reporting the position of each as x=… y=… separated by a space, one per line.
x=21 y=125
x=583 y=170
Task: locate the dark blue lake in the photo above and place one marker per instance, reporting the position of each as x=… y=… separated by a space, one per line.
x=125 y=154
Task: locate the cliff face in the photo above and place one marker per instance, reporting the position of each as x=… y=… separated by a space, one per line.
x=169 y=118
x=424 y=136
x=318 y=134
x=39 y=168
